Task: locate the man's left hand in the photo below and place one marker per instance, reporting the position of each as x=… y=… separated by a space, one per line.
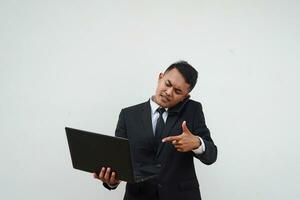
x=184 y=142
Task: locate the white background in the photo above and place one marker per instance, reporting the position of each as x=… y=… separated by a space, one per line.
x=77 y=63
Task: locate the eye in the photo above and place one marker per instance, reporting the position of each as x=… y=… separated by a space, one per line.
x=177 y=91
x=168 y=84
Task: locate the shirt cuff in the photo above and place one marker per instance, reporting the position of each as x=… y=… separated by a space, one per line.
x=112 y=186
x=201 y=148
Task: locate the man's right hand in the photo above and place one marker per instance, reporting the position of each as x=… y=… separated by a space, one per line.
x=108 y=176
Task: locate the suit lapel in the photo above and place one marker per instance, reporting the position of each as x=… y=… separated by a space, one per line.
x=171 y=120
x=146 y=119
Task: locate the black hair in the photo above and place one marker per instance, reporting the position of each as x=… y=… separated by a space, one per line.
x=188 y=72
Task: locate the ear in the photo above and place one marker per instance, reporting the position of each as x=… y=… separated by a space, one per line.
x=187 y=96
x=160 y=75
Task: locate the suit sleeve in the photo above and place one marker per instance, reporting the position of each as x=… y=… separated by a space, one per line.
x=119 y=132
x=121 y=126
x=209 y=156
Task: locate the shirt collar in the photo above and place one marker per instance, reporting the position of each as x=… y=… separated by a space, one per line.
x=176 y=109
x=154 y=106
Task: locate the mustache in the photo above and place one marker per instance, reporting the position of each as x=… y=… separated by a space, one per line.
x=165 y=96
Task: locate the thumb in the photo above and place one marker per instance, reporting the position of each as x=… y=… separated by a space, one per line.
x=185 y=128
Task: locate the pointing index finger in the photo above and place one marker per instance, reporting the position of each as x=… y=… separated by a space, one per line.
x=170 y=138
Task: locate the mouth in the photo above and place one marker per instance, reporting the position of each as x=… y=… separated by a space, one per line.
x=164 y=98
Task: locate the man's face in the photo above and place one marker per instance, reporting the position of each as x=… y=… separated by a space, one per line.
x=171 y=89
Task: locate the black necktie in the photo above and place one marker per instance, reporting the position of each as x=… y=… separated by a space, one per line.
x=160 y=124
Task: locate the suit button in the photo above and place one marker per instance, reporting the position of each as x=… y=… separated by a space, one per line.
x=159 y=185
x=158 y=165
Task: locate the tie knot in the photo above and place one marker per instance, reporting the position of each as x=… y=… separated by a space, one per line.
x=160 y=110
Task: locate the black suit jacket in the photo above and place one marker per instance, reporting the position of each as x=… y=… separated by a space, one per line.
x=176 y=177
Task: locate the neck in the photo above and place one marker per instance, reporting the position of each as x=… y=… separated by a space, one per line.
x=154 y=99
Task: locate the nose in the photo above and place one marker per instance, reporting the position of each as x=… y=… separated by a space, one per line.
x=169 y=91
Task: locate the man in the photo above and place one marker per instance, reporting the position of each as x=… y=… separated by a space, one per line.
x=165 y=134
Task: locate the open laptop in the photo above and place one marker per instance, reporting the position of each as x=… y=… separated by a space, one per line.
x=92 y=151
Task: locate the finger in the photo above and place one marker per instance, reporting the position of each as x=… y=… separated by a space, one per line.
x=184 y=127
x=177 y=142
x=182 y=149
x=113 y=179
x=95 y=175
x=107 y=174
x=102 y=172
x=171 y=138
x=178 y=146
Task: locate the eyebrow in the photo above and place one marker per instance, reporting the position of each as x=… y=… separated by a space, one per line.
x=177 y=89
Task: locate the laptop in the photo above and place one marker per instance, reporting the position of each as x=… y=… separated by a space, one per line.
x=92 y=151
